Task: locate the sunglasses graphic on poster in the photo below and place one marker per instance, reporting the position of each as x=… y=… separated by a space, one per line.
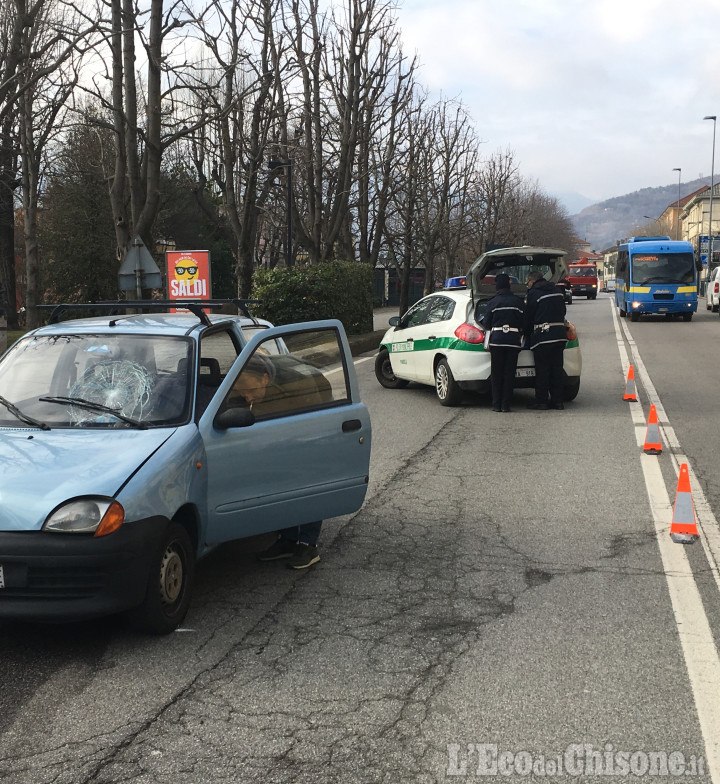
x=188 y=274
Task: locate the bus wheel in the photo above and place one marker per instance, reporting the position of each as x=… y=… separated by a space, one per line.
x=623 y=313
x=687 y=316
x=634 y=316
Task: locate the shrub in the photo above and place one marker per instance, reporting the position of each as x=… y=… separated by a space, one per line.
x=341 y=290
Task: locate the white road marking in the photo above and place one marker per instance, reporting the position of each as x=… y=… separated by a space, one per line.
x=696 y=638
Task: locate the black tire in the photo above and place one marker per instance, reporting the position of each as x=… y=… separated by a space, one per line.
x=384 y=372
x=448 y=392
x=623 y=313
x=715 y=308
x=634 y=316
x=571 y=390
x=687 y=316
x=169 y=586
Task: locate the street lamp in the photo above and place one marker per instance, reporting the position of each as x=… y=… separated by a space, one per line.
x=286 y=165
x=677 y=217
x=712 y=186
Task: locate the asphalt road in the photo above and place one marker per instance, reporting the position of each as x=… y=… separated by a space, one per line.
x=502 y=590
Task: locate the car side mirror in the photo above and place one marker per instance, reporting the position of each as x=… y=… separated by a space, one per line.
x=234 y=417
x=394 y=321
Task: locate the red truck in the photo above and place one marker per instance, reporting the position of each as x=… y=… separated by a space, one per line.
x=583 y=278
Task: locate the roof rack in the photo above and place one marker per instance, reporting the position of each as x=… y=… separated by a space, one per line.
x=195 y=306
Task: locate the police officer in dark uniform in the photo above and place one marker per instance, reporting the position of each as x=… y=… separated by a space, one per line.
x=504 y=320
x=545 y=331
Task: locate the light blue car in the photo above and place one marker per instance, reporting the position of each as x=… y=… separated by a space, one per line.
x=127 y=452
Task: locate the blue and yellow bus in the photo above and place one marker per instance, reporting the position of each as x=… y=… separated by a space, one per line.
x=656 y=275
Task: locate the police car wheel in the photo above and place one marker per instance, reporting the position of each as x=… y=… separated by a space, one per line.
x=448 y=392
x=384 y=372
x=571 y=390
x=169 y=586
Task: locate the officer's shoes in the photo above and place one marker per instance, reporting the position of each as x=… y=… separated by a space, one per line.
x=538 y=406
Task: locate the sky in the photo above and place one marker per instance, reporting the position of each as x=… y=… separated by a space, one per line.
x=593 y=97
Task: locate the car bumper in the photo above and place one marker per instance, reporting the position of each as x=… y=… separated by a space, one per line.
x=662 y=307
x=54 y=577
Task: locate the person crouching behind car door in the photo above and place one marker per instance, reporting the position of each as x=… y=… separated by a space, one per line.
x=504 y=319
x=545 y=329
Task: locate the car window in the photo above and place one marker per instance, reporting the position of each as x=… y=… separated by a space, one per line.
x=66 y=381
x=218 y=353
x=415 y=315
x=441 y=309
x=269 y=346
x=311 y=376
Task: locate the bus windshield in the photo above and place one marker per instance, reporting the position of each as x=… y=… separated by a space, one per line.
x=663 y=268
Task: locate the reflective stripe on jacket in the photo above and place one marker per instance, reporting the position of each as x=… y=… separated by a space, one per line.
x=545 y=314
x=505 y=318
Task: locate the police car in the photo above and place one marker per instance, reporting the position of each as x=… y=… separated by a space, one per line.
x=127 y=454
x=439 y=340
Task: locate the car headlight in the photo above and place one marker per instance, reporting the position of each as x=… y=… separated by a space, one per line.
x=97 y=516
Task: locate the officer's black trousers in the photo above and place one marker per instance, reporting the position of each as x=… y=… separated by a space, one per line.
x=549 y=379
x=503 y=362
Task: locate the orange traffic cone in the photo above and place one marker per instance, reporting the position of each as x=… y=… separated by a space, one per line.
x=630 y=386
x=684 y=526
x=652 y=444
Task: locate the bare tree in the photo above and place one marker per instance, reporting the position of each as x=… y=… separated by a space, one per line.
x=51 y=51
x=238 y=107
x=446 y=162
x=146 y=115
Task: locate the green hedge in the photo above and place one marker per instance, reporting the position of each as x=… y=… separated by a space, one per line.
x=333 y=289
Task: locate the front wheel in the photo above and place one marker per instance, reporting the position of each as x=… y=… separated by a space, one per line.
x=634 y=316
x=169 y=586
x=687 y=316
x=384 y=372
x=448 y=391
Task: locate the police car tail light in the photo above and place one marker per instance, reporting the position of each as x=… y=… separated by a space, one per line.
x=469 y=334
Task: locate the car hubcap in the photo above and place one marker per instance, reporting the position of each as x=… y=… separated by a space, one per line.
x=171 y=576
x=441 y=382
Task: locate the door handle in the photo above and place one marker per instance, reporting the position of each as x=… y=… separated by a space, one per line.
x=432 y=337
x=351 y=424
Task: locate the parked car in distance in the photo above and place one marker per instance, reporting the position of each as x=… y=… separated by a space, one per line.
x=566 y=287
x=439 y=340
x=128 y=453
x=712 y=292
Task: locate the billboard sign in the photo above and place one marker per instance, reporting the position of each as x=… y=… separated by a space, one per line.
x=188 y=274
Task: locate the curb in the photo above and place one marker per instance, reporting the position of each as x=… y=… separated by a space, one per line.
x=361 y=344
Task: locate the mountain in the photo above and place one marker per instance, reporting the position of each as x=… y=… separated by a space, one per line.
x=572 y=201
x=606 y=222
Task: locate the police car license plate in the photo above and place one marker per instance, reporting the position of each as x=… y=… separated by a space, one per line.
x=524 y=372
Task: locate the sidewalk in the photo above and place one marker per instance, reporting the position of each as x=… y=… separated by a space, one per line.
x=361 y=344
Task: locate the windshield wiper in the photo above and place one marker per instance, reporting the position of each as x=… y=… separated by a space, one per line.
x=82 y=403
x=28 y=420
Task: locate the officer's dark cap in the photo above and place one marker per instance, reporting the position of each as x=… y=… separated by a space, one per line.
x=502 y=281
